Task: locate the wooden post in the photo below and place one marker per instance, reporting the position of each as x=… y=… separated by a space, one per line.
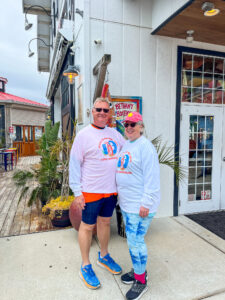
x=100 y=70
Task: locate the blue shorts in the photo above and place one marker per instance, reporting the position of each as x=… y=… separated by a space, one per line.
x=103 y=208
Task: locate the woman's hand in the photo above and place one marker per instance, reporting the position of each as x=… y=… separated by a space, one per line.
x=143 y=212
x=80 y=202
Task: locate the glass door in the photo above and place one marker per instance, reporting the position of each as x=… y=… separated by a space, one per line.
x=200 y=154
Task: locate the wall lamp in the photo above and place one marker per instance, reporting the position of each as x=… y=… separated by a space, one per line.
x=29 y=25
x=209 y=9
x=189 y=37
x=31 y=53
x=71 y=72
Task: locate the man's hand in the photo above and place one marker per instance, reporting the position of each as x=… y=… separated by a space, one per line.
x=143 y=212
x=80 y=202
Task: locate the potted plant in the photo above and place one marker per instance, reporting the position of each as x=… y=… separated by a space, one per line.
x=58 y=210
x=51 y=176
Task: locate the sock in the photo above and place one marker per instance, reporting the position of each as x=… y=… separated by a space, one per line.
x=101 y=256
x=140 y=277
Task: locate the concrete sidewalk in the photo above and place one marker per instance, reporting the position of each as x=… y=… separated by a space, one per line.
x=186 y=262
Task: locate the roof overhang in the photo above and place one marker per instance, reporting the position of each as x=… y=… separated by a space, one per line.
x=34 y=107
x=43 y=51
x=36 y=10
x=191 y=17
x=43 y=30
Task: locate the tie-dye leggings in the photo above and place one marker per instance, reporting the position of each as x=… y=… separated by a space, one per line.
x=136 y=229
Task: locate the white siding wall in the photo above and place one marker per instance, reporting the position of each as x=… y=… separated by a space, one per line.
x=8 y=119
x=82 y=58
x=163 y=9
x=142 y=65
x=133 y=12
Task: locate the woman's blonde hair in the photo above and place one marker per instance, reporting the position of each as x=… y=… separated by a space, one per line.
x=143 y=126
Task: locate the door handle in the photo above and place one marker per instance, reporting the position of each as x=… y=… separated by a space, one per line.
x=223 y=158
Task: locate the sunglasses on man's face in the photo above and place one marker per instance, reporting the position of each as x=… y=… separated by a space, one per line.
x=98 y=109
x=126 y=125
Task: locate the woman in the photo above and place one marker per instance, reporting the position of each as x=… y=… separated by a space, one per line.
x=138 y=184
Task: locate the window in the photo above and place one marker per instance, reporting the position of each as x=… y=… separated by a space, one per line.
x=31 y=134
x=200 y=157
x=19 y=133
x=38 y=133
x=203 y=79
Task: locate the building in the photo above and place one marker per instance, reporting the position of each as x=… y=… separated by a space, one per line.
x=171 y=54
x=21 y=121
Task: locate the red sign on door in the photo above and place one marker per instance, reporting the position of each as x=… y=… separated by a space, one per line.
x=206 y=195
x=10 y=129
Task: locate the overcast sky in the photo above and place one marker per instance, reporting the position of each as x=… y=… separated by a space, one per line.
x=21 y=71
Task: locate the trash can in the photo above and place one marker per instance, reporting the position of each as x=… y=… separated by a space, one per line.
x=120 y=223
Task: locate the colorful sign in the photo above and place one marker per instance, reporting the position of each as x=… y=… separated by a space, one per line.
x=206 y=195
x=121 y=108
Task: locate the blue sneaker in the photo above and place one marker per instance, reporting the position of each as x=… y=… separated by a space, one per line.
x=89 y=277
x=108 y=263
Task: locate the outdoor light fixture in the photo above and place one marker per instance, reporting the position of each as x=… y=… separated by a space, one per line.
x=71 y=72
x=31 y=53
x=79 y=12
x=209 y=9
x=189 y=37
x=29 y=25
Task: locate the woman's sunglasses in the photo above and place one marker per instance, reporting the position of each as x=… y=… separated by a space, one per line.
x=98 y=109
x=129 y=124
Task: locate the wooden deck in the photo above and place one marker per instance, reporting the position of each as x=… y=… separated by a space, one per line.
x=16 y=217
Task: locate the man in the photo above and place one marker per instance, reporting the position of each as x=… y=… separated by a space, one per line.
x=93 y=161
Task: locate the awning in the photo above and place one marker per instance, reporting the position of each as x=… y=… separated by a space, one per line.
x=191 y=17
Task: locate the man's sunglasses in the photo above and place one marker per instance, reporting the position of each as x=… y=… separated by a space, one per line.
x=98 y=109
x=126 y=125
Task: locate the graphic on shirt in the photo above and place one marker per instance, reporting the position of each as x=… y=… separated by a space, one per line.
x=108 y=147
x=124 y=160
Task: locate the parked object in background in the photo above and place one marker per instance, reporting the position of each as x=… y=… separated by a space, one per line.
x=75 y=214
x=6 y=160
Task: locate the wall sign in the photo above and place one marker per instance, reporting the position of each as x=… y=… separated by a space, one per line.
x=120 y=109
x=206 y=195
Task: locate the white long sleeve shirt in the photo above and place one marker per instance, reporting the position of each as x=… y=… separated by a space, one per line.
x=138 y=176
x=93 y=160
